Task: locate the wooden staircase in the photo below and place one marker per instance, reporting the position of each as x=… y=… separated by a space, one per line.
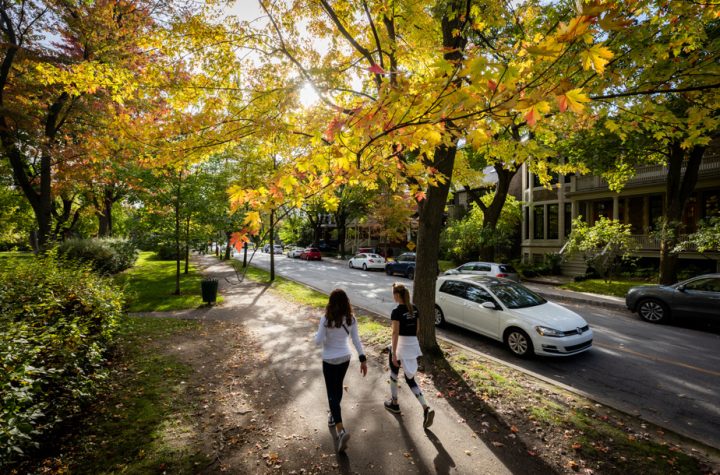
x=573 y=266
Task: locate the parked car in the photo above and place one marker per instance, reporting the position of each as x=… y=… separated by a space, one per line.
x=327 y=246
x=366 y=261
x=486 y=268
x=295 y=251
x=404 y=264
x=698 y=297
x=276 y=248
x=311 y=254
x=511 y=313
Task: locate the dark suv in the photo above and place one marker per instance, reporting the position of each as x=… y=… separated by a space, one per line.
x=404 y=264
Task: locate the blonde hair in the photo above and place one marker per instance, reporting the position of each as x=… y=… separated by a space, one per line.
x=404 y=294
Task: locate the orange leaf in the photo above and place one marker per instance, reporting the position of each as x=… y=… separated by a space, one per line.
x=376 y=69
x=492 y=84
x=531 y=116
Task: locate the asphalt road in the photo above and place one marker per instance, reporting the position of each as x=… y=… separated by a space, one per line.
x=668 y=375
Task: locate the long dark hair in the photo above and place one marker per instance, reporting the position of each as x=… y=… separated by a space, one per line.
x=404 y=294
x=338 y=307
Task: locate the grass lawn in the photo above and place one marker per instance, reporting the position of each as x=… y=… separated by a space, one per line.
x=134 y=427
x=150 y=284
x=7 y=256
x=618 y=288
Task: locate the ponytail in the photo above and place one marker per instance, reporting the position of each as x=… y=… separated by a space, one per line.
x=404 y=294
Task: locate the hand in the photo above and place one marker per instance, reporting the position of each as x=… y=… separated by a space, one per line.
x=395 y=360
x=363 y=368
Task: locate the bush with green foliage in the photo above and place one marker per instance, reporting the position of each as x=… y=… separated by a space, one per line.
x=105 y=255
x=462 y=240
x=57 y=319
x=166 y=251
x=603 y=246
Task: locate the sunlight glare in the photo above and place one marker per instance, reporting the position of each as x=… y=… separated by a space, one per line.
x=308 y=96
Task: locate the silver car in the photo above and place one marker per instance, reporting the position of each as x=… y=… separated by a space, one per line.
x=492 y=269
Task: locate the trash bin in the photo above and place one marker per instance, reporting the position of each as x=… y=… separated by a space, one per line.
x=209 y=289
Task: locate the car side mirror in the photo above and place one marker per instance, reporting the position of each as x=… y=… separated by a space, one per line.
x=680 y=288
x=489 y=305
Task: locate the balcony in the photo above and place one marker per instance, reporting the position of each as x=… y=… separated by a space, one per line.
x=648 y=175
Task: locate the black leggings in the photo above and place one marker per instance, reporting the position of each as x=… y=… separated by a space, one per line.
x=334 y=376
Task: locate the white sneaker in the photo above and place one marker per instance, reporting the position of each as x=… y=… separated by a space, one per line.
x=342 y=440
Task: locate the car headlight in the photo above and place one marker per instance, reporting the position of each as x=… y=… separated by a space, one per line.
x=547 y=331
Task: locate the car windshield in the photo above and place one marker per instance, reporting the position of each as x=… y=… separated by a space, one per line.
x=374 y=256
x=516 y=296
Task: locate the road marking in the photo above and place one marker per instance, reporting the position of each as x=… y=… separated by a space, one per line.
x=655 y=358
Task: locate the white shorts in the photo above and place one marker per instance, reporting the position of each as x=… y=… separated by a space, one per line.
x=408 y=350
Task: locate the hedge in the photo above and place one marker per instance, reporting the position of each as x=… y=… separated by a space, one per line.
x=57 y=320
x=105 y=255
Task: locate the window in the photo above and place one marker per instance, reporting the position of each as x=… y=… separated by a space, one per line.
x=478 y=295
x=553 y=221
x=467 y=267
x=526 y=217
x=711 y=204
x=655 y=210
x=482 y=267
x=516 y=296
x=538 y=222
x=706 y=285
x=568 y=219
x=453 y=287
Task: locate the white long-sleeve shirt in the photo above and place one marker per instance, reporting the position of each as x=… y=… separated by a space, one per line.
x=335 y=340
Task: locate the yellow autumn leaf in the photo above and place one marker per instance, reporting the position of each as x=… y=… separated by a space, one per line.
x=596 y=57
x=252 y=220
x=573 y=100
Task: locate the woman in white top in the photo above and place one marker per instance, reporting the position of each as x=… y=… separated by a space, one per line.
x=335 y=328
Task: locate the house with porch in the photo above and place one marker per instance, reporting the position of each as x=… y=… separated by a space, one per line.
x=548 y=213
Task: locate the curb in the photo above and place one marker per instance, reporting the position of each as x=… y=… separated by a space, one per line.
x=584 y=301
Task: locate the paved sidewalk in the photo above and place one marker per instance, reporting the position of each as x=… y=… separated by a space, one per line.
x=380 y=442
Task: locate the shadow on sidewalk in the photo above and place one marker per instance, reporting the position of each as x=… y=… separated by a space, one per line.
x=513 y=454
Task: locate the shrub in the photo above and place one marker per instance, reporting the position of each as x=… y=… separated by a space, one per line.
x=166 y=251
x=56 y=322
x=105 y=255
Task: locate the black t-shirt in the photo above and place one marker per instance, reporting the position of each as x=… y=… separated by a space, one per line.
x=408 y=323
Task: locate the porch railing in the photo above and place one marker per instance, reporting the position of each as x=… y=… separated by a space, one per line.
x=650 y=174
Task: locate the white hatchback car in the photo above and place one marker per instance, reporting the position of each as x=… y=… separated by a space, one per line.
x=510 y=312
x=493 y=269
x=367 y=261
x=295 y=251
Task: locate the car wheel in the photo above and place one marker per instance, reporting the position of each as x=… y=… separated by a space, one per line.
x=653 y=311
x=410 y=273
x=350 y=264
x=364 y=266
x=388 y=271
x=439 y=317
x=519 y=342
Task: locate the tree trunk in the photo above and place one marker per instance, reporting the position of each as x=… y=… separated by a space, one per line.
x=341 y=222
x=104 y=214
x=272 y=244
x=678 y=188
x=177 y=236
x=492 y=212
x=428 y=245
x=228 y=235
x=432 y=208
x=187 y=245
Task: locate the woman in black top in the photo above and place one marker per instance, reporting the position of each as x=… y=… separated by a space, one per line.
x=405 y=351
